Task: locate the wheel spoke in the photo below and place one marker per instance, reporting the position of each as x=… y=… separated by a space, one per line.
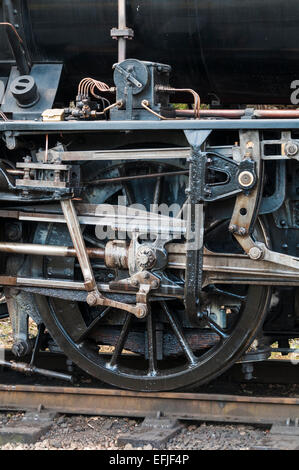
x=92 y=325
x=121 y=341
x=151 y=344
x=157 y=192
x=179 y=335
x=38 y=342
x=128 y=193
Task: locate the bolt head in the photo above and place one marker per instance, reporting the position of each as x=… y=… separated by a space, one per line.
x=291 y=149
x=145 y=257
x=255 y=253
x=245 y=179
x=242 y=231
x=91 y=299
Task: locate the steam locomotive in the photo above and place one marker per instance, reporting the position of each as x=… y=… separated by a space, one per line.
x=149 y=199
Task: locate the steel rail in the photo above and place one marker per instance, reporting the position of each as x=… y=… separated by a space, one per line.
x=189 y=406
x=20 y=393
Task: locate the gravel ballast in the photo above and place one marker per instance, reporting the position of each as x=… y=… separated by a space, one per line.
x=100 y=433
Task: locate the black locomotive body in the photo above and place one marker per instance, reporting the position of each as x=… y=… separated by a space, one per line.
x=153 y=239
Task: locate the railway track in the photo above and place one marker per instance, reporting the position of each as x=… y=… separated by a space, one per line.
x=162 y=411
x=227 y=400
x=230 y=398
x=184 y=406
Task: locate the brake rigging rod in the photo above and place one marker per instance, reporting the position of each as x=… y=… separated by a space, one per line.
x=30 y=369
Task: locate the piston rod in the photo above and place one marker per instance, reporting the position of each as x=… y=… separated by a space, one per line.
x=47 y=250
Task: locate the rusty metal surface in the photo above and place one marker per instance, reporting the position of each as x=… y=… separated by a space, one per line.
x=191 y=406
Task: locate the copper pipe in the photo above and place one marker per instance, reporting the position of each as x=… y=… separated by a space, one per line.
x=196 y=110
x=23 y=62
x=277 y=113
x=9 y=25
x=238 y=113
x=229 y=113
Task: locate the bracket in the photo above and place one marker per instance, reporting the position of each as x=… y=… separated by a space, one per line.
x=54 y=178
x=126 y=33
x=239 y=176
